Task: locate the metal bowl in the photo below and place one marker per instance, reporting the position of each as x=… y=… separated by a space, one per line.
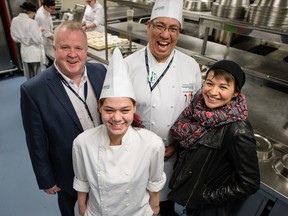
x=237 y=12
x=197 y=5
x=272 y=3
x=281 y=166
x=265 y=150
x=271 y=13
x=233 y=3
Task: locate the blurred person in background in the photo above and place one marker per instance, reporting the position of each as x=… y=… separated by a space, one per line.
x=25 y=31
x=44 y=20
x=93 y=19
x=57 y=105
x=164 y=80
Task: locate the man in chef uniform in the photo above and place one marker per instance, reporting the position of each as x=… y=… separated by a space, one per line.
x=165 y=80
x=44 y=19
x=93 y=19
x=25 y=30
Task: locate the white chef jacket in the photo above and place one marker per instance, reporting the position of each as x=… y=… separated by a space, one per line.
x=118 y=178
x=94 y=14
x=160 y=108
x=26 y=31
x=44 y=19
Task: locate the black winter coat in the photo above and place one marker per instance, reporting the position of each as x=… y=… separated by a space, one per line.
x=220 y=167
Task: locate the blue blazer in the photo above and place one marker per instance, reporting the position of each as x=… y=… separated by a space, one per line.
x=51 y=124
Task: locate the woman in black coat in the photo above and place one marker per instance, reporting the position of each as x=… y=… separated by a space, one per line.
x=218 y=163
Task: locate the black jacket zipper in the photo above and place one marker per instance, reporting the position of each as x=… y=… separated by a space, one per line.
x=202 y=170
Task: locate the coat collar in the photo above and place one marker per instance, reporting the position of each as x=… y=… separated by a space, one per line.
x=59 y=91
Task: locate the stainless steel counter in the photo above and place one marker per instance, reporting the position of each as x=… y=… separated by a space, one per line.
x=100 y=55
x=256 y=65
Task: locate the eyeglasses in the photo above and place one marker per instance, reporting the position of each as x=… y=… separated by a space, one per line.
x=159 y=28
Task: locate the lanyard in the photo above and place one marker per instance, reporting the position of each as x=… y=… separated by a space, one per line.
x=162 y=75
x=85 y=95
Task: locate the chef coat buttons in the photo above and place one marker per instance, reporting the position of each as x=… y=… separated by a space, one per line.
x=153 y=106
x=101 y=149
x=152 y=123
x=127 y=191
x=127 y=204
x=172 y=107
x=126 y=172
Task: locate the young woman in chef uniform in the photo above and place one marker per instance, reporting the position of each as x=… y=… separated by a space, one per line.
x=118 y=165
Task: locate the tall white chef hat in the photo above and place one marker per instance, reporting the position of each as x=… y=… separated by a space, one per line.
x=117 y=82
x=168 y=8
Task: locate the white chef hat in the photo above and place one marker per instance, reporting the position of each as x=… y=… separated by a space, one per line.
x=117 y=82
x=168 y=8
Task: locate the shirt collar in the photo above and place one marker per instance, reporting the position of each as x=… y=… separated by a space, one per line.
x=152 y=59
x=70 y=81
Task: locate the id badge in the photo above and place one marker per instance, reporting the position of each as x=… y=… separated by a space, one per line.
x=152 y=77
x=188 y=91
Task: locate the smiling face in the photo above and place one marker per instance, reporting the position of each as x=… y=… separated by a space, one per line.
x=117 y=115
x=218 y=90
x=70 y=52
x=162 y=43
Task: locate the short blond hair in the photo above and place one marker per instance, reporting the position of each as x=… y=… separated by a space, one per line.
x=70 y=25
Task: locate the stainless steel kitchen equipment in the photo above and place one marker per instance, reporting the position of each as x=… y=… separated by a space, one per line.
x=8 y=10
x=281 y=166
x=265 y=150
x=232 y=9
x=197 y=5
x=269 y=13
x=6 y=63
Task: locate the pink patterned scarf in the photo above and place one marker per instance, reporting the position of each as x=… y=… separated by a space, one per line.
x=197 y=119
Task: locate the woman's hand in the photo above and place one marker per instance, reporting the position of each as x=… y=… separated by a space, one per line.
x=156 y=210
x=82 y=209
x=82 y=202
x=170 y=150
x=154 y=202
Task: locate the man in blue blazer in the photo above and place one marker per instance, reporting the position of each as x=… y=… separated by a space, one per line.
x=56 y=106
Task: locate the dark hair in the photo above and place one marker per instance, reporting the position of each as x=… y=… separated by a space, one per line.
x=136 y=123
x=28 y=6
x=234 y=69
x=219 y=72
x=48 y=3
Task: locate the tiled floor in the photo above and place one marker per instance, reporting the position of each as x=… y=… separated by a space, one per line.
x=19 y=193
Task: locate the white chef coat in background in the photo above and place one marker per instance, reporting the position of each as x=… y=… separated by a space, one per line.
x=26 y=31
x=118 y=178
x=94 y=15
x=160 y=108
x=44 y=20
